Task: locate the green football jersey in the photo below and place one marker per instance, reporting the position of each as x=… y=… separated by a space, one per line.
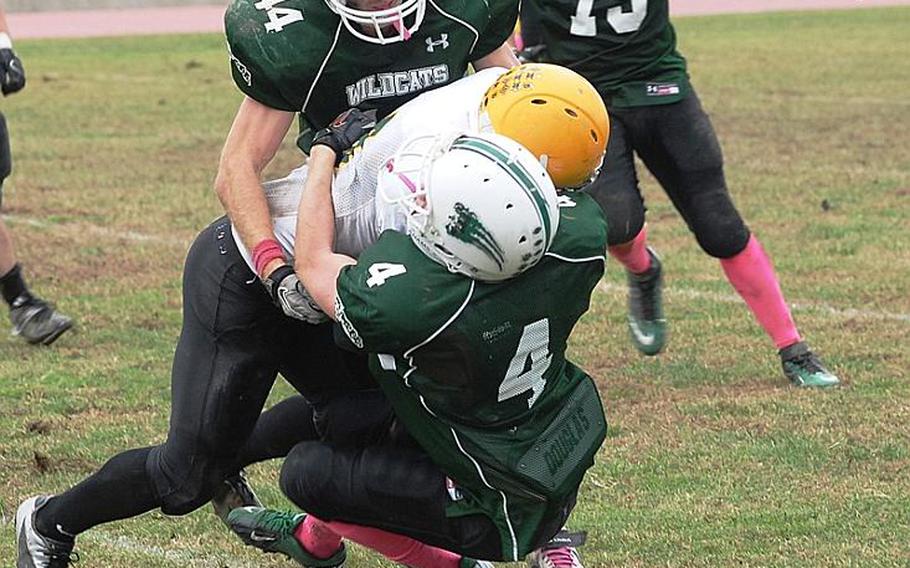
x=477 y=371
x=296 y=55
x=625 y=48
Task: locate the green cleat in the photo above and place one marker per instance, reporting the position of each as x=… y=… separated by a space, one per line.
x=646 y=314
x=273 y=531
x=804 y=369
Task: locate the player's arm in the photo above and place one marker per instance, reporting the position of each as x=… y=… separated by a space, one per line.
x=503 y=56
x=255 y=136
x=317 y=264
x=12 y=75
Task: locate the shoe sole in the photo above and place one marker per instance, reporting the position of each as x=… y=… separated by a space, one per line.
x=23 y=518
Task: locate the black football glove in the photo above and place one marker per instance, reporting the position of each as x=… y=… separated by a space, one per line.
x=12 y=75
x=289 y=294
x=533 y=54
x=346 y=129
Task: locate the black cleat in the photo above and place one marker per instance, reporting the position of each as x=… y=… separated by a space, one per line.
x=36 y=321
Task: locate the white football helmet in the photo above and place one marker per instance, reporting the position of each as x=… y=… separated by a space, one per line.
x=480 y=204
x=389 y=24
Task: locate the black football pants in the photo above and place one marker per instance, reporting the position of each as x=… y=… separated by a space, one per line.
x=233 y=343
x=393 y=486
x=678 y=145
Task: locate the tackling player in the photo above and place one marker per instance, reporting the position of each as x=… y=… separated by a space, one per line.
x=234 y=340
x=33 y=319
x=628 y=51
x=468 y=316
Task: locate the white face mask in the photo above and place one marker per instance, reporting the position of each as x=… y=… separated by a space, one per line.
x=390 y=24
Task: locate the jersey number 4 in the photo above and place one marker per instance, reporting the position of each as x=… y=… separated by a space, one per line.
x=528 y=365
x=278 y=17
x=624 y=19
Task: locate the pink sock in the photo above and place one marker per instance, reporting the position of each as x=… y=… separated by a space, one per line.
x=634 y=254
x=752 y=274
x=398 y=548
x=317 y=538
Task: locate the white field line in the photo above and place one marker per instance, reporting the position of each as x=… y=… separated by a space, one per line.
x=184 y=557
x=606 y=287
x=99 y=231
x=798 y=306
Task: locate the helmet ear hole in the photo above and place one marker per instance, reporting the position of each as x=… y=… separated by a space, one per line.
x=538 y=101
x=509 y=206
x=571 y=112
x=594 y=135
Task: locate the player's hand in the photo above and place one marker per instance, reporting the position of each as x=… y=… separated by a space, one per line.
x=289 y=294
x=533 y=54
x=12 y=75
x=346 y=129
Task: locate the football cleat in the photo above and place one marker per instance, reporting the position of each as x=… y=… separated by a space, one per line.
x=36 y=550
x=36 y=321
x=273 y=531
x=560 y=552
x=647 y=325
x=804 y=369
x=234 y=492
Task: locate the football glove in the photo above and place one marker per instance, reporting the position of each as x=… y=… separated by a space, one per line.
x=289 y=294
x=346 y=129
x=12 y=75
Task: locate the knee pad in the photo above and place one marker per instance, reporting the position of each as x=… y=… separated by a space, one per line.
x=184 y=482
x=622 y=206
x=716 y=223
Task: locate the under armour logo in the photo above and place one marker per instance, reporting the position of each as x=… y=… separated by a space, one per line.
x=442 y=42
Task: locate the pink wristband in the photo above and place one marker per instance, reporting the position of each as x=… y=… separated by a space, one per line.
x=265 y=252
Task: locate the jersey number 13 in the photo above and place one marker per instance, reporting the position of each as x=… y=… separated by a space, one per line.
x=625 y=18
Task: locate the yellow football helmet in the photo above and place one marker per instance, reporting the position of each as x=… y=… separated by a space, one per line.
x=556 y=114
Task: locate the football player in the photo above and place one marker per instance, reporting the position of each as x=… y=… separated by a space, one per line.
x=467 y=317
x=234 y=339
x=628 y=51
x=33 y=319
x=316 y=58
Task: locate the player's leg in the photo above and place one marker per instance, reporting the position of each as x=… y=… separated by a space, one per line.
x=616 y=190
x=33 y=318
x=678 y=144
x=222 y=373
x=395 y=490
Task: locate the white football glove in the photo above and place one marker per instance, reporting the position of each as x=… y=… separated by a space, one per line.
x=289 y=294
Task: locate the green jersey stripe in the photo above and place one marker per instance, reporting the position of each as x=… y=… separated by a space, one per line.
x=515 y=170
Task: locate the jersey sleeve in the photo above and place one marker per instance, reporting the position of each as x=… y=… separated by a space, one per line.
x=395 y=297
x=582 y=228
x=251 y=49
x=503 y=16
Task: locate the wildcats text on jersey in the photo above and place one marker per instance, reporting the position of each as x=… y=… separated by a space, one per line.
x=396 y=83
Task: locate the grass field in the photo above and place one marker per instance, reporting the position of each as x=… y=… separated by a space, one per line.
x=712 y=460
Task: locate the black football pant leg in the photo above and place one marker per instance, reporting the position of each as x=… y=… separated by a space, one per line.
x=678 y=145
x=231 y=346
x=616 y=187
x=396 y=488
x=6 y=156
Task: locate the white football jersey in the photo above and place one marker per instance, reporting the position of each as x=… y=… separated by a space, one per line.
x=359 y=216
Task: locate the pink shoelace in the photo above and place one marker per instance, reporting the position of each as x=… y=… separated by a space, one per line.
x=561 y=557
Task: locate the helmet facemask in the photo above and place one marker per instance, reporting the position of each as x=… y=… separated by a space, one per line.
x=384 y=26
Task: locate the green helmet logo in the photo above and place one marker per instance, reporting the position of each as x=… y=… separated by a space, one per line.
x=464 y=225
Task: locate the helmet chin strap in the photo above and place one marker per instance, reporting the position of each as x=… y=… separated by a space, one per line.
x=401 y=29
